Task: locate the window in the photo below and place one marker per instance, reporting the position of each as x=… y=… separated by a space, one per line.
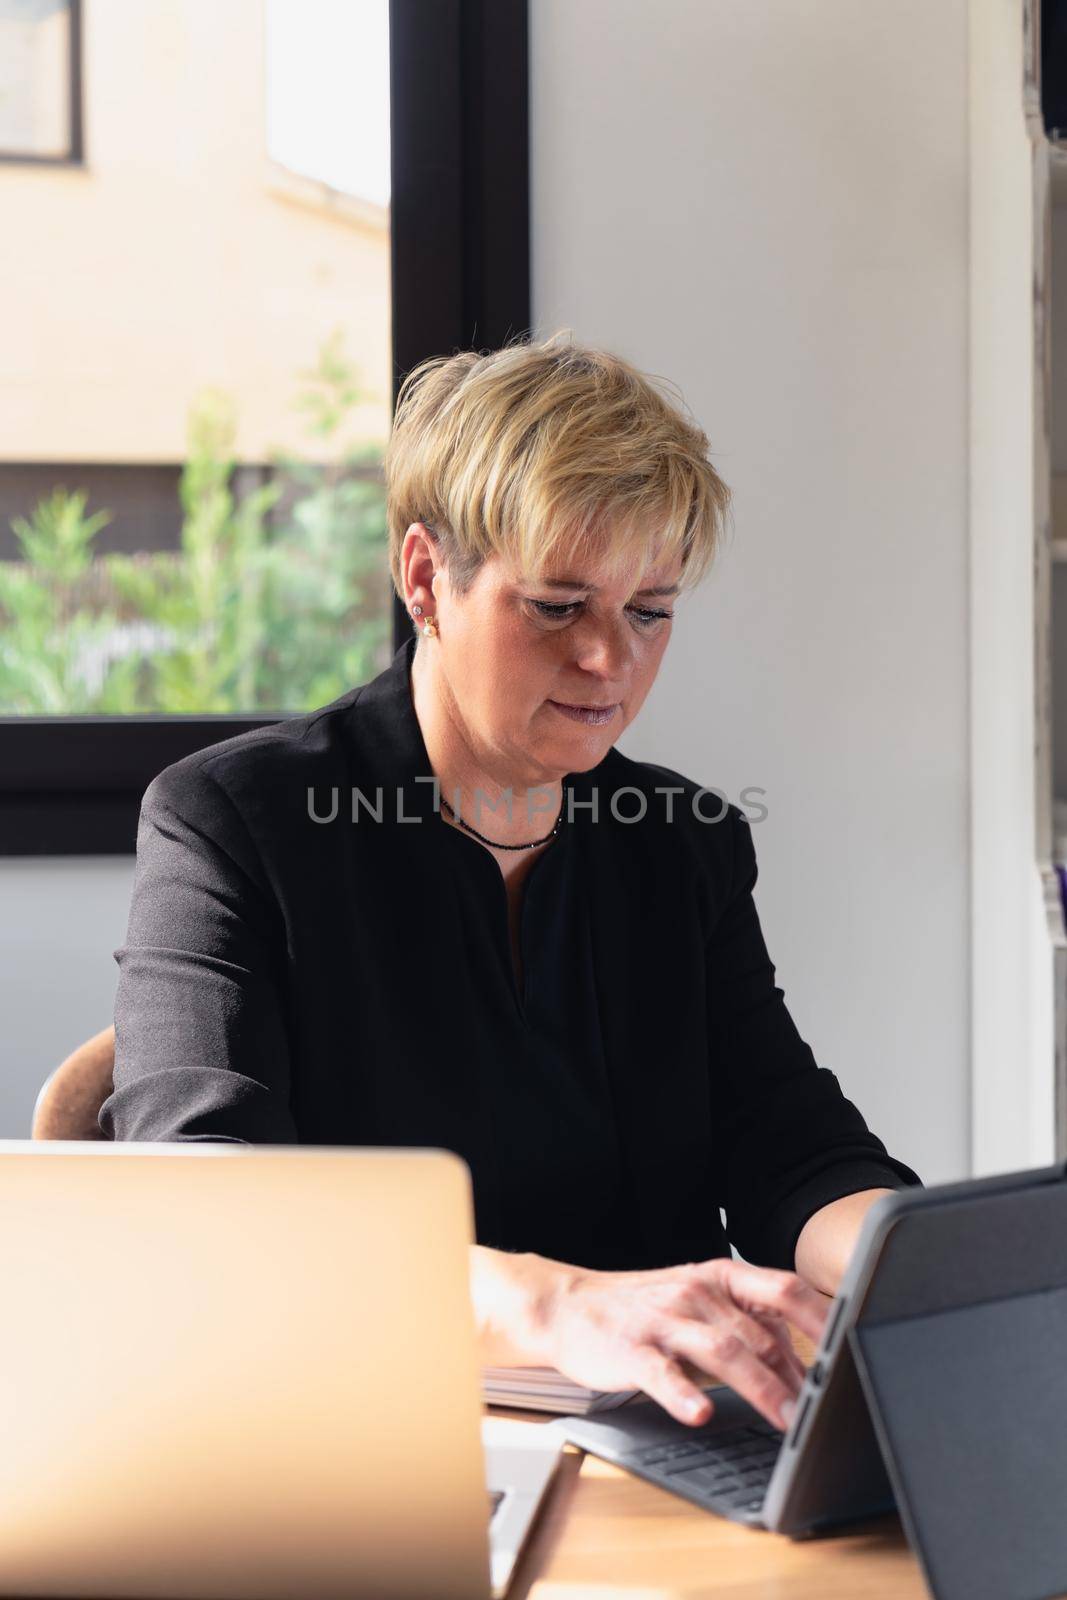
x=290 y=203
x=40 y=80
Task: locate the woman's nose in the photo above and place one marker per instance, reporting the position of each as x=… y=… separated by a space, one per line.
x=606 y=649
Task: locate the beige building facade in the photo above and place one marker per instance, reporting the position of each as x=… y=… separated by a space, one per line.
x=178 y=256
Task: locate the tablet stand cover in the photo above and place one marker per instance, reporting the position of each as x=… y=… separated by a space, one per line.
x=961 y=1348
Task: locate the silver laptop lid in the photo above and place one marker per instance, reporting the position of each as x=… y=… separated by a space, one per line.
x=238 y=1372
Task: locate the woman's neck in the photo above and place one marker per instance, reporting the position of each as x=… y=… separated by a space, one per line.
x=468 y=782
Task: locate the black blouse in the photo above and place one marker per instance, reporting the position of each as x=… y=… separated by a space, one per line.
x=297 y=970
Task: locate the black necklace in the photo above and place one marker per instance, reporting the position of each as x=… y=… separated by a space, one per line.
x=492 y=842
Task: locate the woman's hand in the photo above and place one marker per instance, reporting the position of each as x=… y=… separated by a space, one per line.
x=668 y=1331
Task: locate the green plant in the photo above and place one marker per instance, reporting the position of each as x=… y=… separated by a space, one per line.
x=52 y=638
x=326 y=600
x=204 y=606
x=277 y=598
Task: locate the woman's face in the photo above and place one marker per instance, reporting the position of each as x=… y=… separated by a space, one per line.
x=517 y=653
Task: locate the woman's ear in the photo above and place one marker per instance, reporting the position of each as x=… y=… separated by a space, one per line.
x=418 y=566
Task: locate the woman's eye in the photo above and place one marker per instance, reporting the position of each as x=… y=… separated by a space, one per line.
x=560 y=610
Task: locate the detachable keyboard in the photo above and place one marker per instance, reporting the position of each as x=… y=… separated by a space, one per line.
x=724 y=1466
x=727 y=1470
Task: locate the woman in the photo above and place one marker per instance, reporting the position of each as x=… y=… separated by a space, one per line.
x=446 y=910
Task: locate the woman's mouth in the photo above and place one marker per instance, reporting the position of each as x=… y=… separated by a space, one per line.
x=592 y=716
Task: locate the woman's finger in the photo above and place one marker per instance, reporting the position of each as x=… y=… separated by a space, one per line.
x=790 y=1362
x=780 y=1354
x=767 y=1289
x=780 y=1359
x=662 y=1378
x=725 y=1355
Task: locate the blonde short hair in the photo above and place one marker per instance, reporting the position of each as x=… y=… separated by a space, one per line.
x=528 y=450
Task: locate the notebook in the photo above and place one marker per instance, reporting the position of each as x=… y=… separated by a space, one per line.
x=545 y=1389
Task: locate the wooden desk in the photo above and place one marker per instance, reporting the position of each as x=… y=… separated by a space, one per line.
x=605 y=1533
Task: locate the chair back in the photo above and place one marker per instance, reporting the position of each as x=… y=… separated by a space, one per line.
x=70 y=1098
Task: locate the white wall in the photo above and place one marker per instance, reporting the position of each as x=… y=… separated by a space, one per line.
x=766 y=202
x=60 y=920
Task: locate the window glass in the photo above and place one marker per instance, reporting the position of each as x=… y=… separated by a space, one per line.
x=199 y=374
x=35 y=79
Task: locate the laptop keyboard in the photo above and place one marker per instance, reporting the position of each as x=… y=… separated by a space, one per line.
x=729 y=1469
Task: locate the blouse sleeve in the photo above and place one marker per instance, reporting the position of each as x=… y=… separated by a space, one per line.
x=787 y=1141
x=200 y=1045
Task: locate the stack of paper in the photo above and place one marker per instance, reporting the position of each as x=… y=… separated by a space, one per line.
x=545 y=1389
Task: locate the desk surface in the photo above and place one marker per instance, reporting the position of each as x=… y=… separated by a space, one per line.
x=604 y=1533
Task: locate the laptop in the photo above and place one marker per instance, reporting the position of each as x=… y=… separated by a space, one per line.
x=241 y=1373
x=939 y=1389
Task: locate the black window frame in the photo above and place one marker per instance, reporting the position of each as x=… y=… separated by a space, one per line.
x=74 y=156
x=460 y=264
